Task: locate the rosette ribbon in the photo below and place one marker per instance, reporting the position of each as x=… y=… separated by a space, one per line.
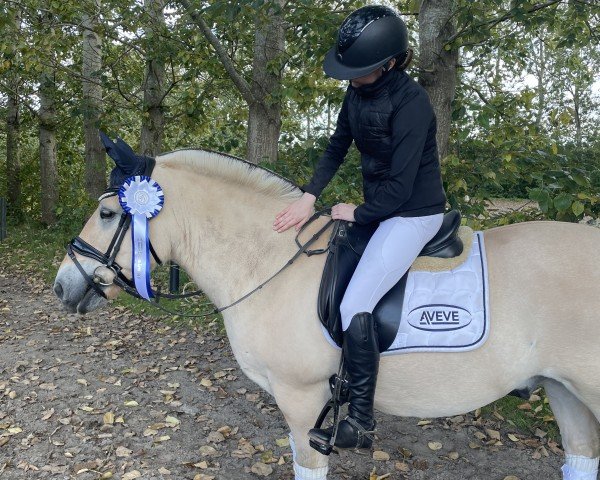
x=142 y=198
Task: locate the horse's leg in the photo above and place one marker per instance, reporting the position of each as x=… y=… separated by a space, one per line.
x=579 y=430
x=301 y=406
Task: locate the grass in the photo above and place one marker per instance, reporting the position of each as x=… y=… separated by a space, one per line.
x=525 y=415
x=36 y=252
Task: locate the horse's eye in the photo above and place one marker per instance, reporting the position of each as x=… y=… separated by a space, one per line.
x=106 y=214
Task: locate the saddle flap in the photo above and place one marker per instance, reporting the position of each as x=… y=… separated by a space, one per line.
x=347 y=244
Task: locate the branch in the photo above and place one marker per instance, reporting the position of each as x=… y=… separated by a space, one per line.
x=239 y=81
x=591 y=4
x=22 y=98
x=495 y=21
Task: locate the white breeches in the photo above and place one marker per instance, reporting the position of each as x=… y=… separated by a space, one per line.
x=391 y=251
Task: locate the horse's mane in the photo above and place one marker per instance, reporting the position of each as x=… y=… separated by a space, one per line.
x=236 y=170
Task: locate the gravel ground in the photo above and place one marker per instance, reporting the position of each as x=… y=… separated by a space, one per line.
x=117 y=395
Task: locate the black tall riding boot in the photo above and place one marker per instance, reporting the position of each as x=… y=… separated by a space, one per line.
x=361 y=356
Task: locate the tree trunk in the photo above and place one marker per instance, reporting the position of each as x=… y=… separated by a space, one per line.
x=577 y=113
x=153 y=118
x=13 y=165
x=13 y=162
x=48 y=170
x=264 y=119
x=438 y=66
x=95 y=157
x=540 y=66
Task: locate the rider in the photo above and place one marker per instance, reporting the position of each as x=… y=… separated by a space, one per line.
x=391 y=120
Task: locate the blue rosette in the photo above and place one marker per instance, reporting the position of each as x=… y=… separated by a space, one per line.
x=142 y=198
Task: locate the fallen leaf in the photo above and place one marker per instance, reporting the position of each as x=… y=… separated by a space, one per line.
x=122 y=452
x=131 y=475
x=109 y=418
x=47 y=414
x=207 y=451
x=434 y=446
x=215 y=437
x=262 y=469
x=172 y=421
x=282 y=442
x=381 y=456
x=131 y=403
x=453 y=455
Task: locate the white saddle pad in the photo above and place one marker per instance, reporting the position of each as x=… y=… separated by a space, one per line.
x=445 y=311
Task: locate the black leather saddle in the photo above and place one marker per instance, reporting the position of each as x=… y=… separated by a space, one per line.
x=347 y=244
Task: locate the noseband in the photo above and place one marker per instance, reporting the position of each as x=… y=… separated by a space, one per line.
x=107 y=259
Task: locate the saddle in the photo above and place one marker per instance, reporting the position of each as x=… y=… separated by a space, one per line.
x=347 y=244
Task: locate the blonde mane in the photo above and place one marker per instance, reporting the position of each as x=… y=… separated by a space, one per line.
x=233 y=169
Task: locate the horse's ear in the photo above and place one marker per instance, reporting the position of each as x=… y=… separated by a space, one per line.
x=123 y=155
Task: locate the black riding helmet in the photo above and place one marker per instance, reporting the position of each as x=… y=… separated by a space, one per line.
x=367 y=39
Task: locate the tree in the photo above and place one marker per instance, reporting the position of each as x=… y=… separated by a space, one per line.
x=91 y=68
x=264 y=119
x=13 y=166
x=438 y=62
x=48 y=122
x=153 y=116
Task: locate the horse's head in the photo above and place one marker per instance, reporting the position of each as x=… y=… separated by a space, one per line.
x=98 y=264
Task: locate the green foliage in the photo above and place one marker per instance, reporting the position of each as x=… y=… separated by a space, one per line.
x=508 y=139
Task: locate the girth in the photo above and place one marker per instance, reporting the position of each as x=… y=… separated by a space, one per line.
x=347 y=244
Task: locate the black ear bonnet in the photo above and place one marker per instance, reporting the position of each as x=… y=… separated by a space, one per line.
x=127 y=163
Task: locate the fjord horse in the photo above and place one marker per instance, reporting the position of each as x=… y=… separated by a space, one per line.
x=544 y=280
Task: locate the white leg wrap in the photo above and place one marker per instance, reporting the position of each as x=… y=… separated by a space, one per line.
x=578 y=467
x=303 y=473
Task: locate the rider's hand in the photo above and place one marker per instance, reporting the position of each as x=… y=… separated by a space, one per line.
x=343 y=211
x=295 y=214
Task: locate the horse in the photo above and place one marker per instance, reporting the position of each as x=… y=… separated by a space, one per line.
x=216 y=223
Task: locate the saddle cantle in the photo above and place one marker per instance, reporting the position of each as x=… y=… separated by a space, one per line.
x=348 y=242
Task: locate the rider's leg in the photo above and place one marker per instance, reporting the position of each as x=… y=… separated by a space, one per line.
x=390 y=252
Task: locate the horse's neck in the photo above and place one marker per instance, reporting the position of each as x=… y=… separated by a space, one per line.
x=224 y=238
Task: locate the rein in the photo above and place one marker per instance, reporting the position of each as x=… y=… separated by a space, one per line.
x=107 y=260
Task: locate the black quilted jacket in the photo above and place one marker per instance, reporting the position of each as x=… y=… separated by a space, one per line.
x=393 y=125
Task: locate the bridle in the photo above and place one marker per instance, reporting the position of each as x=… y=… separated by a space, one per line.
x=107 y=260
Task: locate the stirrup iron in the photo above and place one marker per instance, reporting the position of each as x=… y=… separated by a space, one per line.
x=338 y=384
